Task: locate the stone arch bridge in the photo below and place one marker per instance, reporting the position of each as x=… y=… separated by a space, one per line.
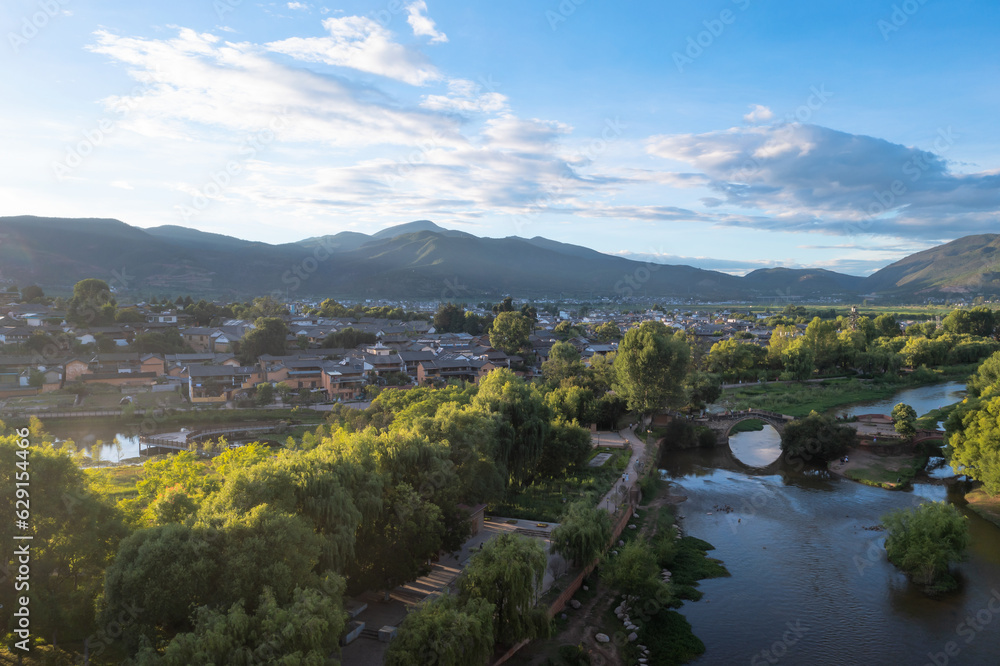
x=722 y=424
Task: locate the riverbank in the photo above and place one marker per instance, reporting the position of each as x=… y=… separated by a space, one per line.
x=801 y=398
x=985 y=505
x=889 y=472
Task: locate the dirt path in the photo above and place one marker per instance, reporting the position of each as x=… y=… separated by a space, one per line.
x=582 y=629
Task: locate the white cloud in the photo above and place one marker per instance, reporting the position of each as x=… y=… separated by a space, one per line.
x=360 y=43
x=810 y=178
x=464 y=97
x=122 y=184
x=197 y=86
x=422 y=25
x=298 y=5
x=758 y=114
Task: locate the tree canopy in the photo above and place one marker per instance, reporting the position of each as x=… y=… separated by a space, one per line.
x=650 y=367
x=923 y=542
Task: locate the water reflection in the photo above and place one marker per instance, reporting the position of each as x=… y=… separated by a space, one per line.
x=756 y=448
x=923 y=399
x=800 y=547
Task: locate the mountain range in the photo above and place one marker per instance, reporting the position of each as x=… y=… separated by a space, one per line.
x=420 y=260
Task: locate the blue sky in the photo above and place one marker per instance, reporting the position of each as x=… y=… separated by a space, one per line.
x=731 y=134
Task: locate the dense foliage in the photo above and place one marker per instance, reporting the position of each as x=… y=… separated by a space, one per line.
x=923 y=542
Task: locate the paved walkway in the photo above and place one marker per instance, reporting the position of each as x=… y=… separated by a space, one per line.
x=611 y=501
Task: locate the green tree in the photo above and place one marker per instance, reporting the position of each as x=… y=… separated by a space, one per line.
x=737 y=359
x=32 y=294
x=815 y=438
x=979 y=321
x=510 y=332
x=563 y=363
x=887 y=326
x=87 y=306
x=566 y=447
x=449 y=318
x=348 y=338
x=508 y=573
x=585 y=531
x=303 y=631
x=75 y=530
x=264 y=394
x=268 y=337
x=702 y=388
x=650 y=367
x=986 y=380
x=522 y=422
x=923 y=542
x=635 y=571
x=974 y=443
x=607 y=332
x=799 y=360
x=444 y=632
x=904 y=418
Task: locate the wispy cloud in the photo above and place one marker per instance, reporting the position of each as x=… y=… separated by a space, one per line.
x=422 y=25
x=360 y=43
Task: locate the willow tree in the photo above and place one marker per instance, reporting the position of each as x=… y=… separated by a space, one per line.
x=508 y=573
x=584 y=532
x=444 y=632
x=522 y=422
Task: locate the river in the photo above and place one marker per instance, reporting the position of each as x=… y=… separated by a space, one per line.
x=810 y=584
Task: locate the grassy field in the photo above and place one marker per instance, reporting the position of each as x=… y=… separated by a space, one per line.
x=801 y=398
x=798 y=399
x=750 y=425
x=116 y=482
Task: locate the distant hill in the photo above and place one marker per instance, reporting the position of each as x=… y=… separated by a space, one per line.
x=969 y=265
x=422 y=260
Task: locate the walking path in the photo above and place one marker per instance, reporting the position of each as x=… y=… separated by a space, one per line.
x=611 y=501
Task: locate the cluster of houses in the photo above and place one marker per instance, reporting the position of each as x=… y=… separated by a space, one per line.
x=405 y=352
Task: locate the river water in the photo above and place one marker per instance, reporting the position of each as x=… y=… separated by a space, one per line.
x=810 y=584
x=923 y=399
